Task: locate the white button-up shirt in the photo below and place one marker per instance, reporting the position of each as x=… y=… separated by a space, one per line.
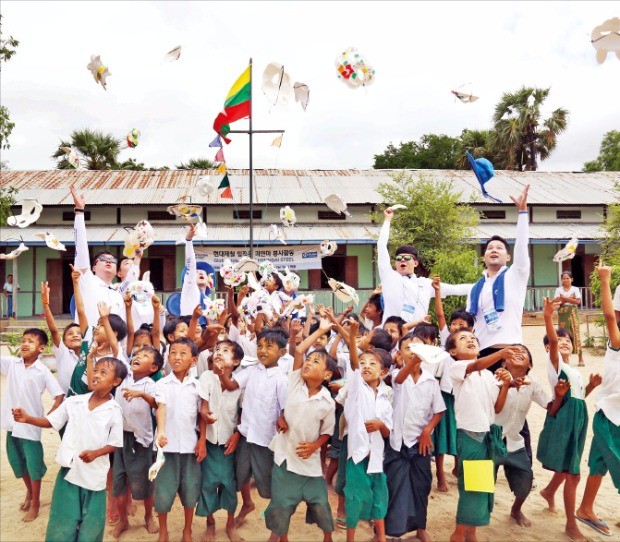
x=512 y=416
x=137 y=412
x=24 y=388
x=577 y=389
x=308 y=418
x=415 y=403
x=182 y=406
x=475 y=395
x=264 y=398
x=608 y=396
x=87 y=430
x=66 y=360
x=223 y=404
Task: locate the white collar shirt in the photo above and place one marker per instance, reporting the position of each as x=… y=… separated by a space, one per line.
x=608 y=396
x=475 y=395
x=308 y=418
x=24 y=388
x=137 y=413
x=518 y=403
x=87 y=430
x=94 y=290
x=182 y=406
x=415 y=403
x=66 y=360
x=264 y=398
x=565 y=371
x=224 y=405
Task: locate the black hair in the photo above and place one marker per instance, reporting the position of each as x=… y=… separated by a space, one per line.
x=187 y=342
x=122 y=260
x=237 y=351
x=103 y=253
x=72 y=324
x=451 y=340
x=142 y=331
x=9 y=275
x=426 y=332
x=273 y=335
x=529 y=354
x=120 y=369
x=158 y=359
x=462 y=314
x=395 y=320
x=38 y=333
x=382 y=355
x=497 y=238
x=354 y=316
x=561 y=332
x=118 y=326
x=330 y=363
x=375 y=299
x=279 y=283
x=566 y=273
x=171 y=325
x=314 y=326
x=408 y=249
x=381 y=339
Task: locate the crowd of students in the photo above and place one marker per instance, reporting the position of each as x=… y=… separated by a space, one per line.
x=151 y=406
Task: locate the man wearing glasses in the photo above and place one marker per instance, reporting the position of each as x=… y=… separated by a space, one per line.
x=405 y=294
x=96 y=283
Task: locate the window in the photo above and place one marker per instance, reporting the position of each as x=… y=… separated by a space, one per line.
x=69 y=216
x=331 y=215
x=159 y=215
x=244 y=214
x=572 y=214
x=493 y=215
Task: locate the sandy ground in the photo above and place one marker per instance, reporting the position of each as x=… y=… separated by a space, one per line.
x=441 y=511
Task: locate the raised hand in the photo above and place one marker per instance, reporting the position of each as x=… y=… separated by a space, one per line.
x=156 y=302
x=436 y=283
x=75 y=273
x=191 y=232
x=521 y=201
x=45 y=293
x=388 y=214
x=550 y=305
x=604 y=271
x=78 y=199
x=562 y=387
x=127 y=299
x=295 y=328
x=104 y=309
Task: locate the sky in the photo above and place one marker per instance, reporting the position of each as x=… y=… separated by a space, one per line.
x=419 y=50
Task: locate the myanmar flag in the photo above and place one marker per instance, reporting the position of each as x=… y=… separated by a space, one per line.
x=225 y=184
x=236 y=105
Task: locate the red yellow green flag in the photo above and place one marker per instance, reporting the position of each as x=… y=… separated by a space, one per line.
x=225 y=184
x=236 y=105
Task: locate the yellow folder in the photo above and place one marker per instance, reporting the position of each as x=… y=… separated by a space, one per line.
x=479 y=475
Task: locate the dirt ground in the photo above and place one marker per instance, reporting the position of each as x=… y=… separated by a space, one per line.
x=546 y=526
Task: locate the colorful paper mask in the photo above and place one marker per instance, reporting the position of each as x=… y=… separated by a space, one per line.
x=353 y=69
x=343 y=291
x=568 y=252
x=98 y=70
x=288 y=216
x=328 y=248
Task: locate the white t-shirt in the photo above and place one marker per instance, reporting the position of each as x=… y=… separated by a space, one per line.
x=137 y=412
x=573 y=291
x=608 y=396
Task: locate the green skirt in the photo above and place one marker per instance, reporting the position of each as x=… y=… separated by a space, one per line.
x=563 y=437
x=444 y=435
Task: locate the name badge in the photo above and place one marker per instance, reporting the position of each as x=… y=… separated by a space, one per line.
x=409 y=308
x=491 y=317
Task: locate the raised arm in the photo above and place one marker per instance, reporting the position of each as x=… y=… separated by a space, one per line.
x=604 y=273
x=82 y=258
x=129 y=319
x=90 y=357
x=132 y=275
x=441 y=317
x=79 y=300
x=190 y=293
x=407 y=369
x=20 y=415
x=549 y=308
x=383 y=256
x=511 y=352
x=504 y=377
x=521 y=253
x=354 y=327
x=104 y=313
x=49 y=317
x=324 y=327
x=156 y=330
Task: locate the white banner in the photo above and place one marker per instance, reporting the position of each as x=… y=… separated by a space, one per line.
x=295 y=257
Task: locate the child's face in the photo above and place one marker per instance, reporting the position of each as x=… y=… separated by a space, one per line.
x=520 y=365
x=314 y=368
x=180 y=358
x=371 y=312
x=141 y=341
x=180 y=331
x=371 y=368
x=73 y=338
x=467 y=346
x=104 y=377
x=405 y=352
x=270 y=284
x=457 y=324
x=320 y=343
x=124 y=269
x=392 y=329
x=201 y=278
x=30 y=347
x=143 y=363
x=565 y=346
x=223 y=356
x=269 y=352
x=99 y=334
x=363 y=341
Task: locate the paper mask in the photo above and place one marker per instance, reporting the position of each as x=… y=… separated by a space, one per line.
x=73 y=157
x=187 y=213
x=14 y=253
x=246 y=265
x=336 y=204
x=213 y=308
x=328 y=248
x=353 y=70
x=159 y=463
x=252 y=282
x=343 y=291
x=277 y=234
x=428 y=353
x=99 y=71
x=568 y=252
x=277 y=84
x=131 y=139
x=290 y=281
x=173 y=54
x=139 y=239
x=302 y=94
x=31 y=211
x=606 y=39
x=226 y=270
x=51 y=241
x=288 y=216
x=206 y=186
x=297 y=304
x=265 y=268
x=141 y=291
x=396 y=207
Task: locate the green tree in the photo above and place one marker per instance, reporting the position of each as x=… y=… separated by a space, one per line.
x=438 y=225
x=7 y=50
x=196 y=163
x=520 y=130
x=7 y=199
x=480 y=143
x=432 y=151
x=99 y=151
x=609 y=156
x=131 y=164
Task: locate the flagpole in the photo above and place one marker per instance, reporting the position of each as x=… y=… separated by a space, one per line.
x=251 y=174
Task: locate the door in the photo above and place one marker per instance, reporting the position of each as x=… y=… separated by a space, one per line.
x=53 y=274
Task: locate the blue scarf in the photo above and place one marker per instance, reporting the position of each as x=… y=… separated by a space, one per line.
x=498 y=293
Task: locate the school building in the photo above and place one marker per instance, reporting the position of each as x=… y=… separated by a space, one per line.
x=560 y=205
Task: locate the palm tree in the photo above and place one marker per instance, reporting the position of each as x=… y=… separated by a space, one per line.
x=480 y=144
x=197 y=163
x=521 y=133
x=99 y=151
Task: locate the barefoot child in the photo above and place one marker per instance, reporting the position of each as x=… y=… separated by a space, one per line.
x=563 y=437
x=306 y=424
x=220 y=411
x=418 y=407
x=133 y=460
x=27 y=379
x=93 y=429
x=477 y=398
x=605 y=450
x=178 y=405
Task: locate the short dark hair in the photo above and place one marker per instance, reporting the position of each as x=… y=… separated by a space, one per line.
x=103 y=253
x=187 y=342
x=408 y=249
x=330 y=363
x=425 y=332
x=120 y=369
x=118 y=326
x=566 y=273
x=273 y=335
x=237 y=351
x=122 y=260
x=382 y=355
x=462 y=314
x=278 y=280
x=381 y=339
x=375 y=299
x=38 y=333
x=395 y=320
x=158 y=359
x=71 y=325
x=496 y=238
x=561 y=332
x=451 y=340
x=529 y=354
x=171 y=325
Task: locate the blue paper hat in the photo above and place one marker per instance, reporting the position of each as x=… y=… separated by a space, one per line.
x=202 y=266
x=484 y=171
x=173 y=304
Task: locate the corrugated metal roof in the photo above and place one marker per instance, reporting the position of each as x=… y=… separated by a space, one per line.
x=300 y=234
x=301 y=186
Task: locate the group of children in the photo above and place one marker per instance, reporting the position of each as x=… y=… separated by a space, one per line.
x=265 y=398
